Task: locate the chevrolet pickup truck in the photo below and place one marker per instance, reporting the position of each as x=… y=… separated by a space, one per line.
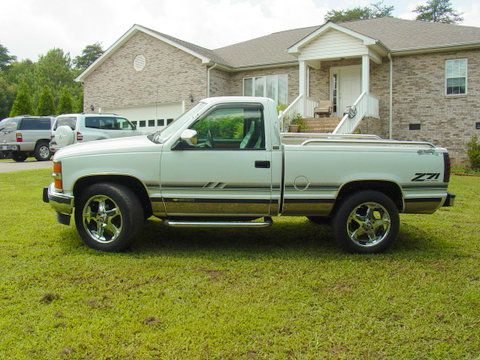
x=225 y=163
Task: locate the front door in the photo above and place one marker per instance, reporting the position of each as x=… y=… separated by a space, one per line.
x=225 y=172
x=346 y=82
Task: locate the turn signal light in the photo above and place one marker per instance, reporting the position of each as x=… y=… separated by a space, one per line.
x=19 y=137
x=57 y=176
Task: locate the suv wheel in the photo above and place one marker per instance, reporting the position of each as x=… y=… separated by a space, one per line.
x=108 y=216
x=19 y=157
x=366 y=222
x=42 y=152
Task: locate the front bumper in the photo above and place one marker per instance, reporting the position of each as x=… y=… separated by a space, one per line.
x=450 y=200
x=60 y=202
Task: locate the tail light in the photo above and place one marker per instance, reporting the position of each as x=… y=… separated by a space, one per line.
x=446 y=167
x=79 y=136
x=19 y=137
x=57 y=176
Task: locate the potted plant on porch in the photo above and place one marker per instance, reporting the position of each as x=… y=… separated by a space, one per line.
x=298 y=124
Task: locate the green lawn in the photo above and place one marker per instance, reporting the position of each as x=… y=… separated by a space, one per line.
x=283 y=292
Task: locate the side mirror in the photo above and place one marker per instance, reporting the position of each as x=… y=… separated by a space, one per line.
x=189 y=136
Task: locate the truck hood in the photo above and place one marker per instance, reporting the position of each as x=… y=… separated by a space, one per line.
x=110 y=146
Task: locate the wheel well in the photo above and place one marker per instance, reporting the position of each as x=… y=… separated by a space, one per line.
x=132 y=183
x=389 y=188
x=42 y=141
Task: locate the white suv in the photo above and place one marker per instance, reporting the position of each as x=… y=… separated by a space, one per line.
x=73 y=128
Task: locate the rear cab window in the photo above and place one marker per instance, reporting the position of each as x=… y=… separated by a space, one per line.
x=9 y=124
x=35 y=124
x=108 y=123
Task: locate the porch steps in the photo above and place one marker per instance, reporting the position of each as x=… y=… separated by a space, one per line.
x=323 y=124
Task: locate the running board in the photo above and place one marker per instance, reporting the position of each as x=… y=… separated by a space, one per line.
x=220 y=224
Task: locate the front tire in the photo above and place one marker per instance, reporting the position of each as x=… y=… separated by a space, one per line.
x=366 y=222
x=42 y=152
x=108 y=216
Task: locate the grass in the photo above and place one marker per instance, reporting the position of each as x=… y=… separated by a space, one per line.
x=283 y=292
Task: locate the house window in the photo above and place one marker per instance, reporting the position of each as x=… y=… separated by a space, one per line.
x=151 y=123
x=169 y=121
x=456 y=76
x=160 y=122
x=272 y=86
x=142 y=123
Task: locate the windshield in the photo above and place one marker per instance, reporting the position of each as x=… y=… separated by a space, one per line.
x=161 y=136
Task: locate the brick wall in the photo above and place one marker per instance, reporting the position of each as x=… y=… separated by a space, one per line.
x=419 y=97
x=170 y=75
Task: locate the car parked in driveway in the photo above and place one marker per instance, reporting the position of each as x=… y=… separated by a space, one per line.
x=69 y=129
x=24 y=136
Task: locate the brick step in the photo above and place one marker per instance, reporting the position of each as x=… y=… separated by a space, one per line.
x=321 y=129
x=330 y=123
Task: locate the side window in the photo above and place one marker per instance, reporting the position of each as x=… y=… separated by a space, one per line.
x=107 y=123
x=35 y=124
x=231 y=128
x=70 y=121
x=123 y=124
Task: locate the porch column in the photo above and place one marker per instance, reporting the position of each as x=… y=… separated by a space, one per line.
x=302 y=85
x=365 y=74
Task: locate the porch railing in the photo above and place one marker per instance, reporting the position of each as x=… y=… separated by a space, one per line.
x=353 y=116
x=301 y=105
x=295 y=107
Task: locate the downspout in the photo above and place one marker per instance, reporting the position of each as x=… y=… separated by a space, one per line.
x=390 y=116
x=208 y=78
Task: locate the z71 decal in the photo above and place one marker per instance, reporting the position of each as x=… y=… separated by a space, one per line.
x=426 y=176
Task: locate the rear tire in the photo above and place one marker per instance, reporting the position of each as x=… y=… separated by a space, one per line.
x=19 y=157
x=42 y=152
x=366 y=222
x=108 y=216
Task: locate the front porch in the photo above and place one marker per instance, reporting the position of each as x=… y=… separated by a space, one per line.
x=335 y=66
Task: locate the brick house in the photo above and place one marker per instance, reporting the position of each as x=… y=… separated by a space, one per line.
x=404 y=79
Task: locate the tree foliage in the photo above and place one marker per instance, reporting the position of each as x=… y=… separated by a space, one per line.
x=5 y=57
x=375 y=10
x=45 y=102
x=23 y=102
x=7 y=95
x=65 y=102
x=89 y=54
x=440 y=11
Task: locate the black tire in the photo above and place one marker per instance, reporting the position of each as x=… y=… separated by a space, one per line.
x=130 y=221
x=42 y=151
x=320 y=220
x=19 y=156
x=360 y=242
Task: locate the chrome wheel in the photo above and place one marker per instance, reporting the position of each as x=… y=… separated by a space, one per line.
x=102 y=219
x=44 y=152
x=368 y=224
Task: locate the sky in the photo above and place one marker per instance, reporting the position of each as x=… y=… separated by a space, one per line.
x=29 y=28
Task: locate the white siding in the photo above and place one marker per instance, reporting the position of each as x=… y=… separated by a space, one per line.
x=333 y=44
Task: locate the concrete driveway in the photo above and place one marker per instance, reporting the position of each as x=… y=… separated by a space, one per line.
x=11 y=166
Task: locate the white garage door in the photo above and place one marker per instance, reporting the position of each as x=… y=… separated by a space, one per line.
x=150 y=118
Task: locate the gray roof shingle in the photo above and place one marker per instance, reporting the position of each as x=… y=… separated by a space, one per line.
x=395 y=34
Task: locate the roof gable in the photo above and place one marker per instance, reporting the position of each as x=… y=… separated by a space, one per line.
x=191 y=49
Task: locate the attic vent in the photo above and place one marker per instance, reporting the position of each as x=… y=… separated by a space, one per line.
x=139 y=62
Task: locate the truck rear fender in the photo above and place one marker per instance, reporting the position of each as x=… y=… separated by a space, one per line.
x=389 y=188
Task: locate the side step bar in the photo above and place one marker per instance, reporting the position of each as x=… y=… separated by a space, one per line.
x=220 y=224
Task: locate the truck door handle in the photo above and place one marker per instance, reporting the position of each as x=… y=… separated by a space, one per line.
x=262 y=164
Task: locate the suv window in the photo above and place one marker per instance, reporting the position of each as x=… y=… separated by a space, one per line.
x=35 y=124
x=235 y=127
x=70 y=121
x=108 y=123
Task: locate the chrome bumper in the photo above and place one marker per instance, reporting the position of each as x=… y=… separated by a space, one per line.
x=450 y=200
x=61 y=203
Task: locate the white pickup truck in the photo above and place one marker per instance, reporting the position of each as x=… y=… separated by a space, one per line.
x=224 y=163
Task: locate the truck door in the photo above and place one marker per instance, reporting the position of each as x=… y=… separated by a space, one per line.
x=226 y=171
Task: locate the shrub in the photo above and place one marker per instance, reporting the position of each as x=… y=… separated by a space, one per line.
x=473 y=151
x=65 y=102
x=45 y=102
x=23 y=102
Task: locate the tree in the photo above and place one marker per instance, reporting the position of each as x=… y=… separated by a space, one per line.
x=5 y=58
x=23 y=102
x=7 y=95
x=438 y=11
x=54 y=70
x=375 y=10
x=45 y=102
x=89 y=54
x=65 y=102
